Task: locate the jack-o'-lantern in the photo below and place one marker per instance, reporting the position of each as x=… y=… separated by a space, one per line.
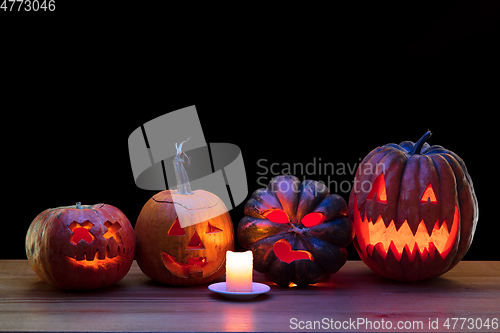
x=414 y=210
x=81 y=247
x=183 y=256
x=297 y=231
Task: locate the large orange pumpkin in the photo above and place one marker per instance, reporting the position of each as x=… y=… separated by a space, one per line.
x=414 y=210
x=81 y=247
x=188 y=256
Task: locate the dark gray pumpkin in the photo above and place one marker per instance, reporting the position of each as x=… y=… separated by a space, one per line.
x=297 y=231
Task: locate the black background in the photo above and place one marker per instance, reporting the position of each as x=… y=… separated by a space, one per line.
x=287 y=87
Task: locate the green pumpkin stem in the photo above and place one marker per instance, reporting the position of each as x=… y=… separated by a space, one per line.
x=183 y=186
x=418 y=146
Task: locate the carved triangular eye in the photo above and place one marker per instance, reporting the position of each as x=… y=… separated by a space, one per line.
x=378 y=187
x=212 y=229
x=429 y=195
x=176 y=230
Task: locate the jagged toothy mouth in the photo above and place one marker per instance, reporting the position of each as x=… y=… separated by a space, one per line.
x=95 y=262
x=374 y=235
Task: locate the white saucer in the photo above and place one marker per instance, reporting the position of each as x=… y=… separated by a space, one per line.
x=257 y=289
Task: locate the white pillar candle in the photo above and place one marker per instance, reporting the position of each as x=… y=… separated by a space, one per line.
x=239 y=267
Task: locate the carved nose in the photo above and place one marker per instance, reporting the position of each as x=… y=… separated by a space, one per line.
x=195 y=243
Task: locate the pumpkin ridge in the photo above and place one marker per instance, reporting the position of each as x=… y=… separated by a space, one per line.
x=254 y=229
x=264 y=256
x=322 y=250
x=336 y=226
x=438 y=171
x=402 y=167
x=401 y=216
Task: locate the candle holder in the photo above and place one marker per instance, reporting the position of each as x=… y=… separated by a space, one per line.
x=239 y=285
x=257 y=289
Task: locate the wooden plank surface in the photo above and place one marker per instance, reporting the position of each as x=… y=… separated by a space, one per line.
x=353 y=295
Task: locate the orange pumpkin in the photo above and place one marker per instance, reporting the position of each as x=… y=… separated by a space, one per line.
x=414 y=210
x=81 y=247
x=196 y=254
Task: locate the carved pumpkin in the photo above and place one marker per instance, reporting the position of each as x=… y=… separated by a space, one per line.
x=196 y=254
x=81 y=247
x=414 y=210
x=297 y=231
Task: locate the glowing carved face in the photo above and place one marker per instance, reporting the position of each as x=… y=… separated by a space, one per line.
x=374 y=232
x=81 y=247
x=94 y=259
x=296 y=231
x=282 y=248
x=193 y=263
x=411 y=205
x=195 y=254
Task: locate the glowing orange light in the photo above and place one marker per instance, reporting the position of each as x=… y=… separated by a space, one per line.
x=378 y=187
x=113 y=231
x=429 y=194
x=283 y=250
x=372 y=235
x=276 y=216
x=312 y=219
x=176 y=230
x=195 y=266
x=95 y=263
x=81 y=231
x=183 y=269
x=212 y=229
x=195 y=242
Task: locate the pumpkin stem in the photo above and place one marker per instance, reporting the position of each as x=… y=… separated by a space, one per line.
x=79 y=205
x=418 y=146
x=183 y=186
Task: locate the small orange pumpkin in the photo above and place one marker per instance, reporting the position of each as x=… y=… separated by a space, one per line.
x=81 y=247
x=196 y=254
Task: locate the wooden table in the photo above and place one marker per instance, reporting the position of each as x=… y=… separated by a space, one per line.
x=351 y=300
